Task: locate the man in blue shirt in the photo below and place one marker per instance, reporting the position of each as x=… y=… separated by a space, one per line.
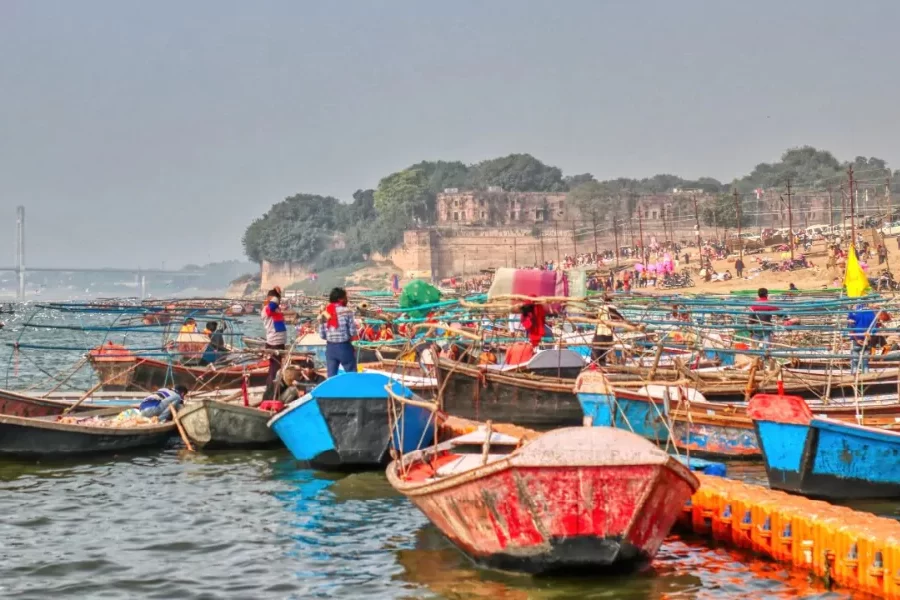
x=862 y=326
x=337 y=328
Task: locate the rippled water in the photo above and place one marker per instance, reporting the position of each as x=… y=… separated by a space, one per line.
x=252 y=525
x=173 y=524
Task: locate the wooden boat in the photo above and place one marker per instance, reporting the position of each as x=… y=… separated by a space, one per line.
x=213 y=424
x=343 y=423
x=586 y=499
x=121 y=370
x=528 y=400
x=46 y=437
x=823 y=457
x=20 y=405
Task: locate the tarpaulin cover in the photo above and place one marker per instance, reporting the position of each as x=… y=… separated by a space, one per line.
x=418 y=293
x=528 y=282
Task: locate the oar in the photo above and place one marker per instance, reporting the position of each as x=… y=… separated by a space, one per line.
x=177 y=419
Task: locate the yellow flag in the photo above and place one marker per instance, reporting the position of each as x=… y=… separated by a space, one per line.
x=855 y=279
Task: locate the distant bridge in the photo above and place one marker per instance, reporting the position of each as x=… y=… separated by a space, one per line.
x=19 y=269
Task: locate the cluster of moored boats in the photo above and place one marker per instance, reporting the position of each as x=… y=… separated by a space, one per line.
x=540 y=459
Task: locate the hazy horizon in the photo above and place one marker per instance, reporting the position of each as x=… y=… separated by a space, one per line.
x=136 y=134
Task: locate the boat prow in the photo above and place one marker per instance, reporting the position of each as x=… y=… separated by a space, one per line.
x=573 y=499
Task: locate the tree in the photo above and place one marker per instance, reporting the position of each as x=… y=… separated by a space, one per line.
x=573 y=181
x=404 y=197
x=443 y=174
x=722 y=212
x=591 y=201
x=296 y=229
x=516 y=173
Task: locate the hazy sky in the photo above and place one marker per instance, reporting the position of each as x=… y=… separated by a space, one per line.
x=142 y=132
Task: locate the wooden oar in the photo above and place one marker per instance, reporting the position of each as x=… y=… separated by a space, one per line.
x=177 y=419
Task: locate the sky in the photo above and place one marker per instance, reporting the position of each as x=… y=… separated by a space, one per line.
x=150 y=134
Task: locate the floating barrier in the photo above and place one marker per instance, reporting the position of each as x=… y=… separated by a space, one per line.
x=844 y=547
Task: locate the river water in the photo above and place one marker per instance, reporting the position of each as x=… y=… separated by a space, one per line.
x=172 y=524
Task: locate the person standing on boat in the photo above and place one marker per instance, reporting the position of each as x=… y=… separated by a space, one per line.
x=338 y=330
x=862 y=336
x=276 y=338
x=761 y=317
x=603 y=334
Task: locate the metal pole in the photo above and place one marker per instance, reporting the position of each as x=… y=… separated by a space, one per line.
x=737 y=208
x=790 y=218
x=616 y=235
x=20 y=251
x=852 y=208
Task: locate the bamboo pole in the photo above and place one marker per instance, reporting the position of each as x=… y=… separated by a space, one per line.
x=181 y=432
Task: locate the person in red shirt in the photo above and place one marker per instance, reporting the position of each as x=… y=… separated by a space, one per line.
x=761 y=317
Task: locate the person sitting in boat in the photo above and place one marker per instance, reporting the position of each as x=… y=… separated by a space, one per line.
x=190 y=326
x=385 y=334
x=216 y=348
x=159 y=403
x=487 y=356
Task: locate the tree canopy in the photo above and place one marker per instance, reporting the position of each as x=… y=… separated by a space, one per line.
x=322 y=231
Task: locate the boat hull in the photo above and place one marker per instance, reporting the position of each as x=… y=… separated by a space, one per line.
x=822 y=457
x=645 y=417
x=19 y=405
x=526 y=513
x=330 y=429
x=532 y=402
x=210 y=424
x=130 y=374
x=33 y=438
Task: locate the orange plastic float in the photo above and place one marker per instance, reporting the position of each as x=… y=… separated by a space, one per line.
x=847 y=548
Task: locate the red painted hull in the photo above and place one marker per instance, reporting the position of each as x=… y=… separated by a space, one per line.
x=19 y=405
x=569 y=517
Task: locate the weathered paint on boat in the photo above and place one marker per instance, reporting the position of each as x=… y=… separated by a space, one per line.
x=41 y=438
x=212 y=424
x=715 y=436
x=528 y=400
x=822 y=457
x=605 y=406
x=20 y=405
x=574 y=499
x=343 y=423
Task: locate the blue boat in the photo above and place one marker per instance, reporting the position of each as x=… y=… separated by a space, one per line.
x=645 y=416
x=822 y=457
x=343 y=424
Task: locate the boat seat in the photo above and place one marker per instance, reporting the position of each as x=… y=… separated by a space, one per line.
x=464 y=463
x=478 y=437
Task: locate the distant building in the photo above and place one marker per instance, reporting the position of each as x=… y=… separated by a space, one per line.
x=496 y=207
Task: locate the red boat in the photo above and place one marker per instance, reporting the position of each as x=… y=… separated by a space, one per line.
x=21 y=405
x=576 y=499
x=121 y=370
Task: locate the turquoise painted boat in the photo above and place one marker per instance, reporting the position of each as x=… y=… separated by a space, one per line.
x=822 y=457
x=343 y=424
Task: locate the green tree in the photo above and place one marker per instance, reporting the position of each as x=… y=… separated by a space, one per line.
x=516 y=173
x=723 y=212
x=442 y=174
x=591 y=200
x=573 y=181
x=404 y=197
